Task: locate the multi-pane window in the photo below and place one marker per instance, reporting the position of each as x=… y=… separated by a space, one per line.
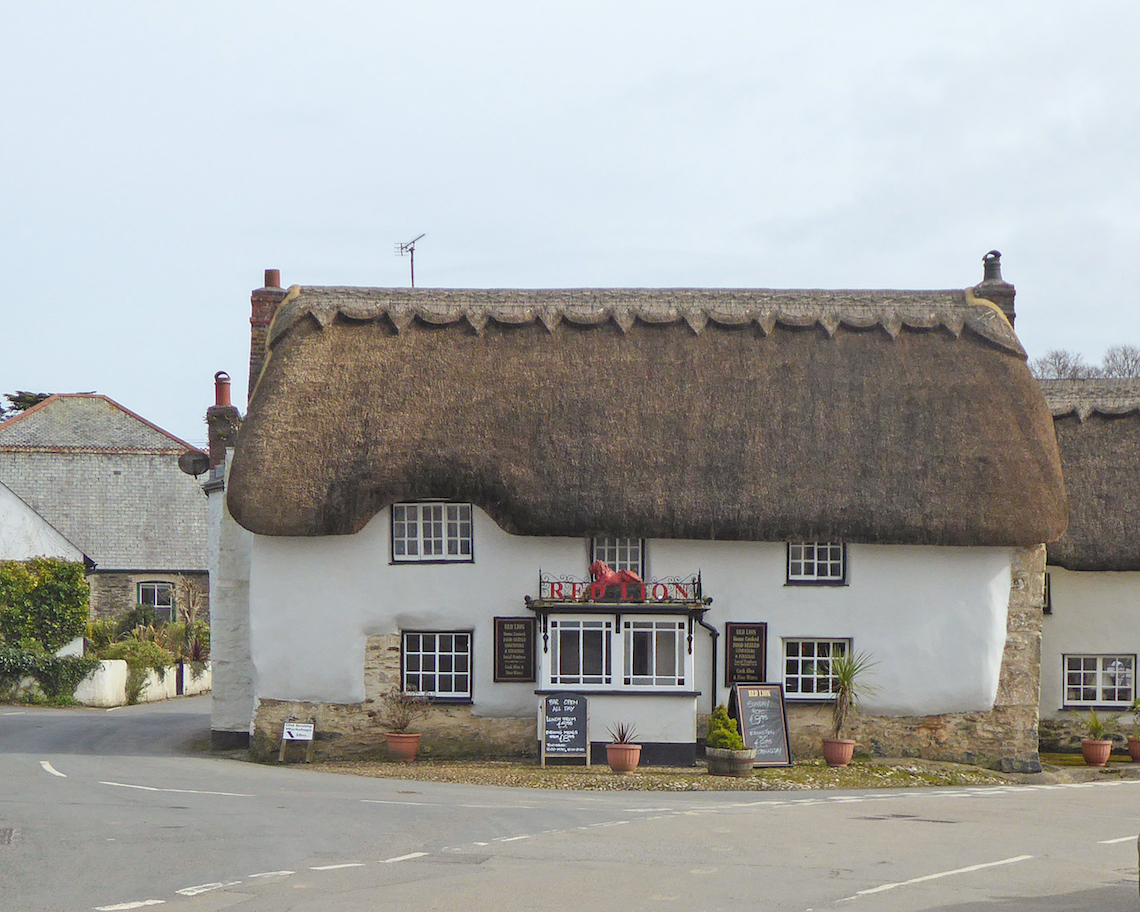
x=160 y=597
x=1092 y=680
x=807 y=666
x=438 y=664
x=619 y=553
x=431 y=532
x=580 y=651
x=816 y=562
x=654 y=653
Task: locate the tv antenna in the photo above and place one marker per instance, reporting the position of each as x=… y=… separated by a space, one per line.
x=410 y=248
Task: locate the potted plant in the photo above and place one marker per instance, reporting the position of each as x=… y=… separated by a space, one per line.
x=1133 y=741
x=724 y=747
x=1096 y=748
x=621 y=753
x=400 y=709
x=847 y=672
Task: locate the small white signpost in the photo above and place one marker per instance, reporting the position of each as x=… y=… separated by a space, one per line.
x=297 y=731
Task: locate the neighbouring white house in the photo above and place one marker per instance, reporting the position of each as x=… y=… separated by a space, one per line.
x=424 y=477
x=1091 y=635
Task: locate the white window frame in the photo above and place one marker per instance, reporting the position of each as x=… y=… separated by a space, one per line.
x=156 y=586
x=432 y=532
x=804 y=662
x=1095 y=673
x=619 y=553
x=817 y=562
x=618 y=653
x=663 y=664
x=435 y=657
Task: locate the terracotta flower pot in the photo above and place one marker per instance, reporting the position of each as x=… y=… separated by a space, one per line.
x=838 y=751
x=623 y=758
x=1134 y=749
x=1095 y=752
x=724 y=762
x=403 y=746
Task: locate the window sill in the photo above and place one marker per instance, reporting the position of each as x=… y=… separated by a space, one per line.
x=617 y=692
x=832 y=583
x=421 y=561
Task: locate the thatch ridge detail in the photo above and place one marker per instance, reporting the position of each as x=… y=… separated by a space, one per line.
x=829 y=309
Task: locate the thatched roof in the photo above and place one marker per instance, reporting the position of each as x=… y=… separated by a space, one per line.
x=1098 y=432
x=878 y=416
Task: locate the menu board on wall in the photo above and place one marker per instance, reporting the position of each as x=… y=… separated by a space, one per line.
x=745 y=651
x=514 y=650
x=764 y=722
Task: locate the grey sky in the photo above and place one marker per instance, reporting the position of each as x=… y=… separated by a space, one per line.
x=158 y=157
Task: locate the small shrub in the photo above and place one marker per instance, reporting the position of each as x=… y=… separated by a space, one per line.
x=400 y=708
x=140 y=655
x=101 y=634
x=722 y=732
x=139 y=616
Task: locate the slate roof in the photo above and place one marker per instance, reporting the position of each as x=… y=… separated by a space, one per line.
x=108 y=480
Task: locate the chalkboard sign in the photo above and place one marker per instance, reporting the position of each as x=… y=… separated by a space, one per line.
x=745 y=647
x=564 y=728
x=764 y=722
x=514 y=649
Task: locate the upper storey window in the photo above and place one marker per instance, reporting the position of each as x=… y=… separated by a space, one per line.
x=619 y=553
x=439 y=532
x=817 y=562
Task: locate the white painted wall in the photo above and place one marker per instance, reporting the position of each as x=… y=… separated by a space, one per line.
x=25 y=534
x=1094 y=613
x=107 y=685
x=934 y=618
x=228 y=552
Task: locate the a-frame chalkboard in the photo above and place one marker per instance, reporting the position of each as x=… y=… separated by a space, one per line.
x=764 y=722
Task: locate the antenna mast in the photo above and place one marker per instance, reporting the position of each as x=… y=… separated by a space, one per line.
x=410 y=248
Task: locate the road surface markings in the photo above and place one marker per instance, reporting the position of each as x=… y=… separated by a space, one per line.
x=403 y=857
x=337 y=867
x=511 y=838
x=20 y=713
x=272 y=874
x=882 y=888
x=1115 y=841
x=151 y=788
x=130 y=905
x=51 y=769
x=206 y=888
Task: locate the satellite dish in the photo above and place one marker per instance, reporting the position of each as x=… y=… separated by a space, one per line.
x=194 y=462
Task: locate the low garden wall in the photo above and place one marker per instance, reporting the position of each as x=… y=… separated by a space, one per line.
x=107 y=685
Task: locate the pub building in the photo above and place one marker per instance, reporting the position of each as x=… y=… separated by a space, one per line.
x=637 y=495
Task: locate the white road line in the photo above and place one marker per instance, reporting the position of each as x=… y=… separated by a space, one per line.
x=131 y=905
x=1115 y=841
x=337 y=867
x=272 y=874
x=403 y=857
x=511 y=838
x=206 y=888
x=151 y=788
x=882 y=888
x=405 y=803
x=20 y=713
x=51 y=769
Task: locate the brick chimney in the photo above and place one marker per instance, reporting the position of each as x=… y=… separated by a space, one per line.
x=263 y=305
x=994 y=288
x=222 y=419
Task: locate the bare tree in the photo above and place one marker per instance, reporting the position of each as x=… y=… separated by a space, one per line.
x=1121 y=361
x=189 y=597
x=1059 y=364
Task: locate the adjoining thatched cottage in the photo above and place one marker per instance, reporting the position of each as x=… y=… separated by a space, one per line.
x=428 y=474
x=1091 y=635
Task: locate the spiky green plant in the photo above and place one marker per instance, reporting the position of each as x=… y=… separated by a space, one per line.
x=848 y=687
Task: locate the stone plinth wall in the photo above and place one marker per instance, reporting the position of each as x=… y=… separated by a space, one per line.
x=1006 y=736
x=1063 y=735
x=356 y=731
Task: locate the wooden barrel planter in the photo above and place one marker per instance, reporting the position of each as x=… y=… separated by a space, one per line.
x=723 y=762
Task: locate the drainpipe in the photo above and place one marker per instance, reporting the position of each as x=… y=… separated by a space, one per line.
x=715 y=636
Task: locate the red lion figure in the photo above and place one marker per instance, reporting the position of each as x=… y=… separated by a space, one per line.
x=603 y=577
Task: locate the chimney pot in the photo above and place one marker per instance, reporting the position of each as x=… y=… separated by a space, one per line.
x=272 y=278
x=221 y=388
x=992 y=266
x=994 y=288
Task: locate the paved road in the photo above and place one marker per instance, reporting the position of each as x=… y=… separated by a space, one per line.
x=114 y=810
